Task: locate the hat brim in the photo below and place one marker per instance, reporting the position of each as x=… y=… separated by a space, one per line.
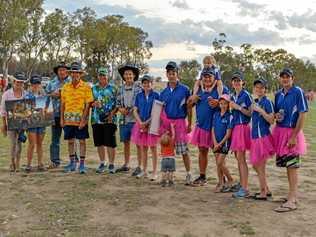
x=208 y=74
x=15 y=79
x=80 y=71
x=286 y=73
x=57 y=67
x=125 y=68
x=260 y=82
x=221 y=98
x=237 y=77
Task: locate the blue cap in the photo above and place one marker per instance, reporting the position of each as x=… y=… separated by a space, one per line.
x=287 y=71
x=238 y=74
x=172 y=66
x=36 y=79
x=20 y=76
x=261 y=81
x=146 y=78
x=75 y=67
x=208 y=71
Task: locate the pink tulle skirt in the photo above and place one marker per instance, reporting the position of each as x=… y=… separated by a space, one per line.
x=201 y=138
x=281 y=137
x=143 y=138
x=179 y=125
x=261 y=149
x=240 y=138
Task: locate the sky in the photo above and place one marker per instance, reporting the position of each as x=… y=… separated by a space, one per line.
x=184 y=29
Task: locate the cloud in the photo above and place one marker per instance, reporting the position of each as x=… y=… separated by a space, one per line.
x=182 y=4
x=306 y=20
x=280 y=20
x=248 y=8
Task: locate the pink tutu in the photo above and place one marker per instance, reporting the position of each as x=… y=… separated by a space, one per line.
x=241 y=138
x=281 y=137
x=143 y=138
x=261 y=149
x=201 y=138
x=180 y=127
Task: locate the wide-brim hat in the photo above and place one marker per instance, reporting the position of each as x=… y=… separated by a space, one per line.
x=238 y=75
x=19 y=76
x=76 y=67
x=131 y=67
x=60 y=65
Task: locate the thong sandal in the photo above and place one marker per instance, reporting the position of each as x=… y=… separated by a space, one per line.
x=284 y=208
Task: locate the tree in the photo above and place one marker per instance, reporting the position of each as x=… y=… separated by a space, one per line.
x=188 y=72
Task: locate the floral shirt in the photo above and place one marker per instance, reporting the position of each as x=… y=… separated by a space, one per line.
x=107 y=96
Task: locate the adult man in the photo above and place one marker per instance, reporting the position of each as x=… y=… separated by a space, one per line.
x=53 y=90
x=75 y=103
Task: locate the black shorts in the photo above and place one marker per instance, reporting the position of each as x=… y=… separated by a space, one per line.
x=73 y=132
x=104 y=134
x=288 y=161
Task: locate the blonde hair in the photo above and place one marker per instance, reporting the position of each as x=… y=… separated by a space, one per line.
x=209 y=58
x=165 y=139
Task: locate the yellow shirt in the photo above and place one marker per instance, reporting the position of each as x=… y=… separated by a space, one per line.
x=75 y=99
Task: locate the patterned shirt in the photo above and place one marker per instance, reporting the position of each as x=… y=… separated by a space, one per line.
x=75 y=100
x=53 y=86
x=107 y=96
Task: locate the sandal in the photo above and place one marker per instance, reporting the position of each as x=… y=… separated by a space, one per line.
x=53 y=166
x=269 y=194
x=218 y=188
x=260 y=198
x=28 y=169
x=41 y=168
x=285 y=208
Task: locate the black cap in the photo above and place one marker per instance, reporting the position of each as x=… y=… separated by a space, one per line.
x=172 y=66
x=208 y=71
x=75 y=67
x=36 y=79
x=20 y=76
x=261 y=81
x=287 y=71
x=60 y=65
x=238 y=74
x=131 y=67
x=146 y=78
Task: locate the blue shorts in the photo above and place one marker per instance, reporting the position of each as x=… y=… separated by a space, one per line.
x=126 y=132
x=39 y=130
x=72 y=132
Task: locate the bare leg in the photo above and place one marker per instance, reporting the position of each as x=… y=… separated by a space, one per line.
x=101 y=153
x=243 y=169
x=30 y=147
x=154 y=158
x=39 y=148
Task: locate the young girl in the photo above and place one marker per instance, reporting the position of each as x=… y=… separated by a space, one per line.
x=241 y=108
x=15 y=93
x=168 y=163
x=221 y=135
x=290 y=107
x=35 y=135
x=201 y=135
x=261 y=140
x=209 y=62
x=140 y=135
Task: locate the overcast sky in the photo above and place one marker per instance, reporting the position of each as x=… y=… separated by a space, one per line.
x=184 y=29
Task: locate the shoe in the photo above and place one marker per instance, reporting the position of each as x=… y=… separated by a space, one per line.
x=111 y=169
x=82 y=169
x=235 y=188
x=188 y=179
x=101 y=169
x=41 y=168
x=199 y=181
x=163 y=183
x=242 y=193
x=153 y=177
x=171 y=183
x=136 y=171
x=28 y=169
x=71 y=167
x=53 y=166
x=140 y=175
x=123 y=169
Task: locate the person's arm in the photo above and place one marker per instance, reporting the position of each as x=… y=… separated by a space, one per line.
x=4 y=126
x=136 y=115
x=214 y=137
x=85 y=116
x=189 y=109
x=267 y=115
x=220 y=87
x=227 y=136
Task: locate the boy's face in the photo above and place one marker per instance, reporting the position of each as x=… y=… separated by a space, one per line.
x=208 y=80
x=62 y=73
x=129 y=76
x=146 y=85
x=237 y=83
x=286 y=80
x=103 y=79
x=36 y=87
x=75 y=76
x=172 y=75
x=259 y=89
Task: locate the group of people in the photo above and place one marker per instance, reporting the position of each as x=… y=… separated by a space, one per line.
x=226 y=121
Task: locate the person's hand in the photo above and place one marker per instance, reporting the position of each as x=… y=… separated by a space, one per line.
x=56 y=93
x=4 y=130
x=82 y=124
x=217 y=146
x=110 y=118
x=193 y=99
x=213 y=103
x=234 y=105
x=123 y=111
x=62 y=123
x=292 y=142
x=257 y=108
x=278 y=117
x=189 y=128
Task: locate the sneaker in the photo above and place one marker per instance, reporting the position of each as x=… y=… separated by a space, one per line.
x=235 y=188
x=123 y=169
x=101 y=169
x=188 y=179
x=136 y=171
x=28 y=169
x=171 y=183
x=199 y=181
x=140 y=175
x=41 y=168
x=153 y=177
x=111 y=169
x=242 y=193
x=163 y=183
x=82 y=169
x=71 y=167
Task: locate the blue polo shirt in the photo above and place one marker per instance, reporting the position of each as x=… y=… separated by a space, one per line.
x=244 y=100
x=204 y=112
x=260 y=126
x=293 y=102
x=175 y=101
x=144 y=104
x=221 y=124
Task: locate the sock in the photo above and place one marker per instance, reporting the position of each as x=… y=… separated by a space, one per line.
x=202 y=176
x=82 y=158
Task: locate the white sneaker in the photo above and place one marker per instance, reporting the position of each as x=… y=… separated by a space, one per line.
x=153 y=177
x=188 y=179
x=140 y=175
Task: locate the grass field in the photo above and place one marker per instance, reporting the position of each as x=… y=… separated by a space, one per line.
x=58 y=204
